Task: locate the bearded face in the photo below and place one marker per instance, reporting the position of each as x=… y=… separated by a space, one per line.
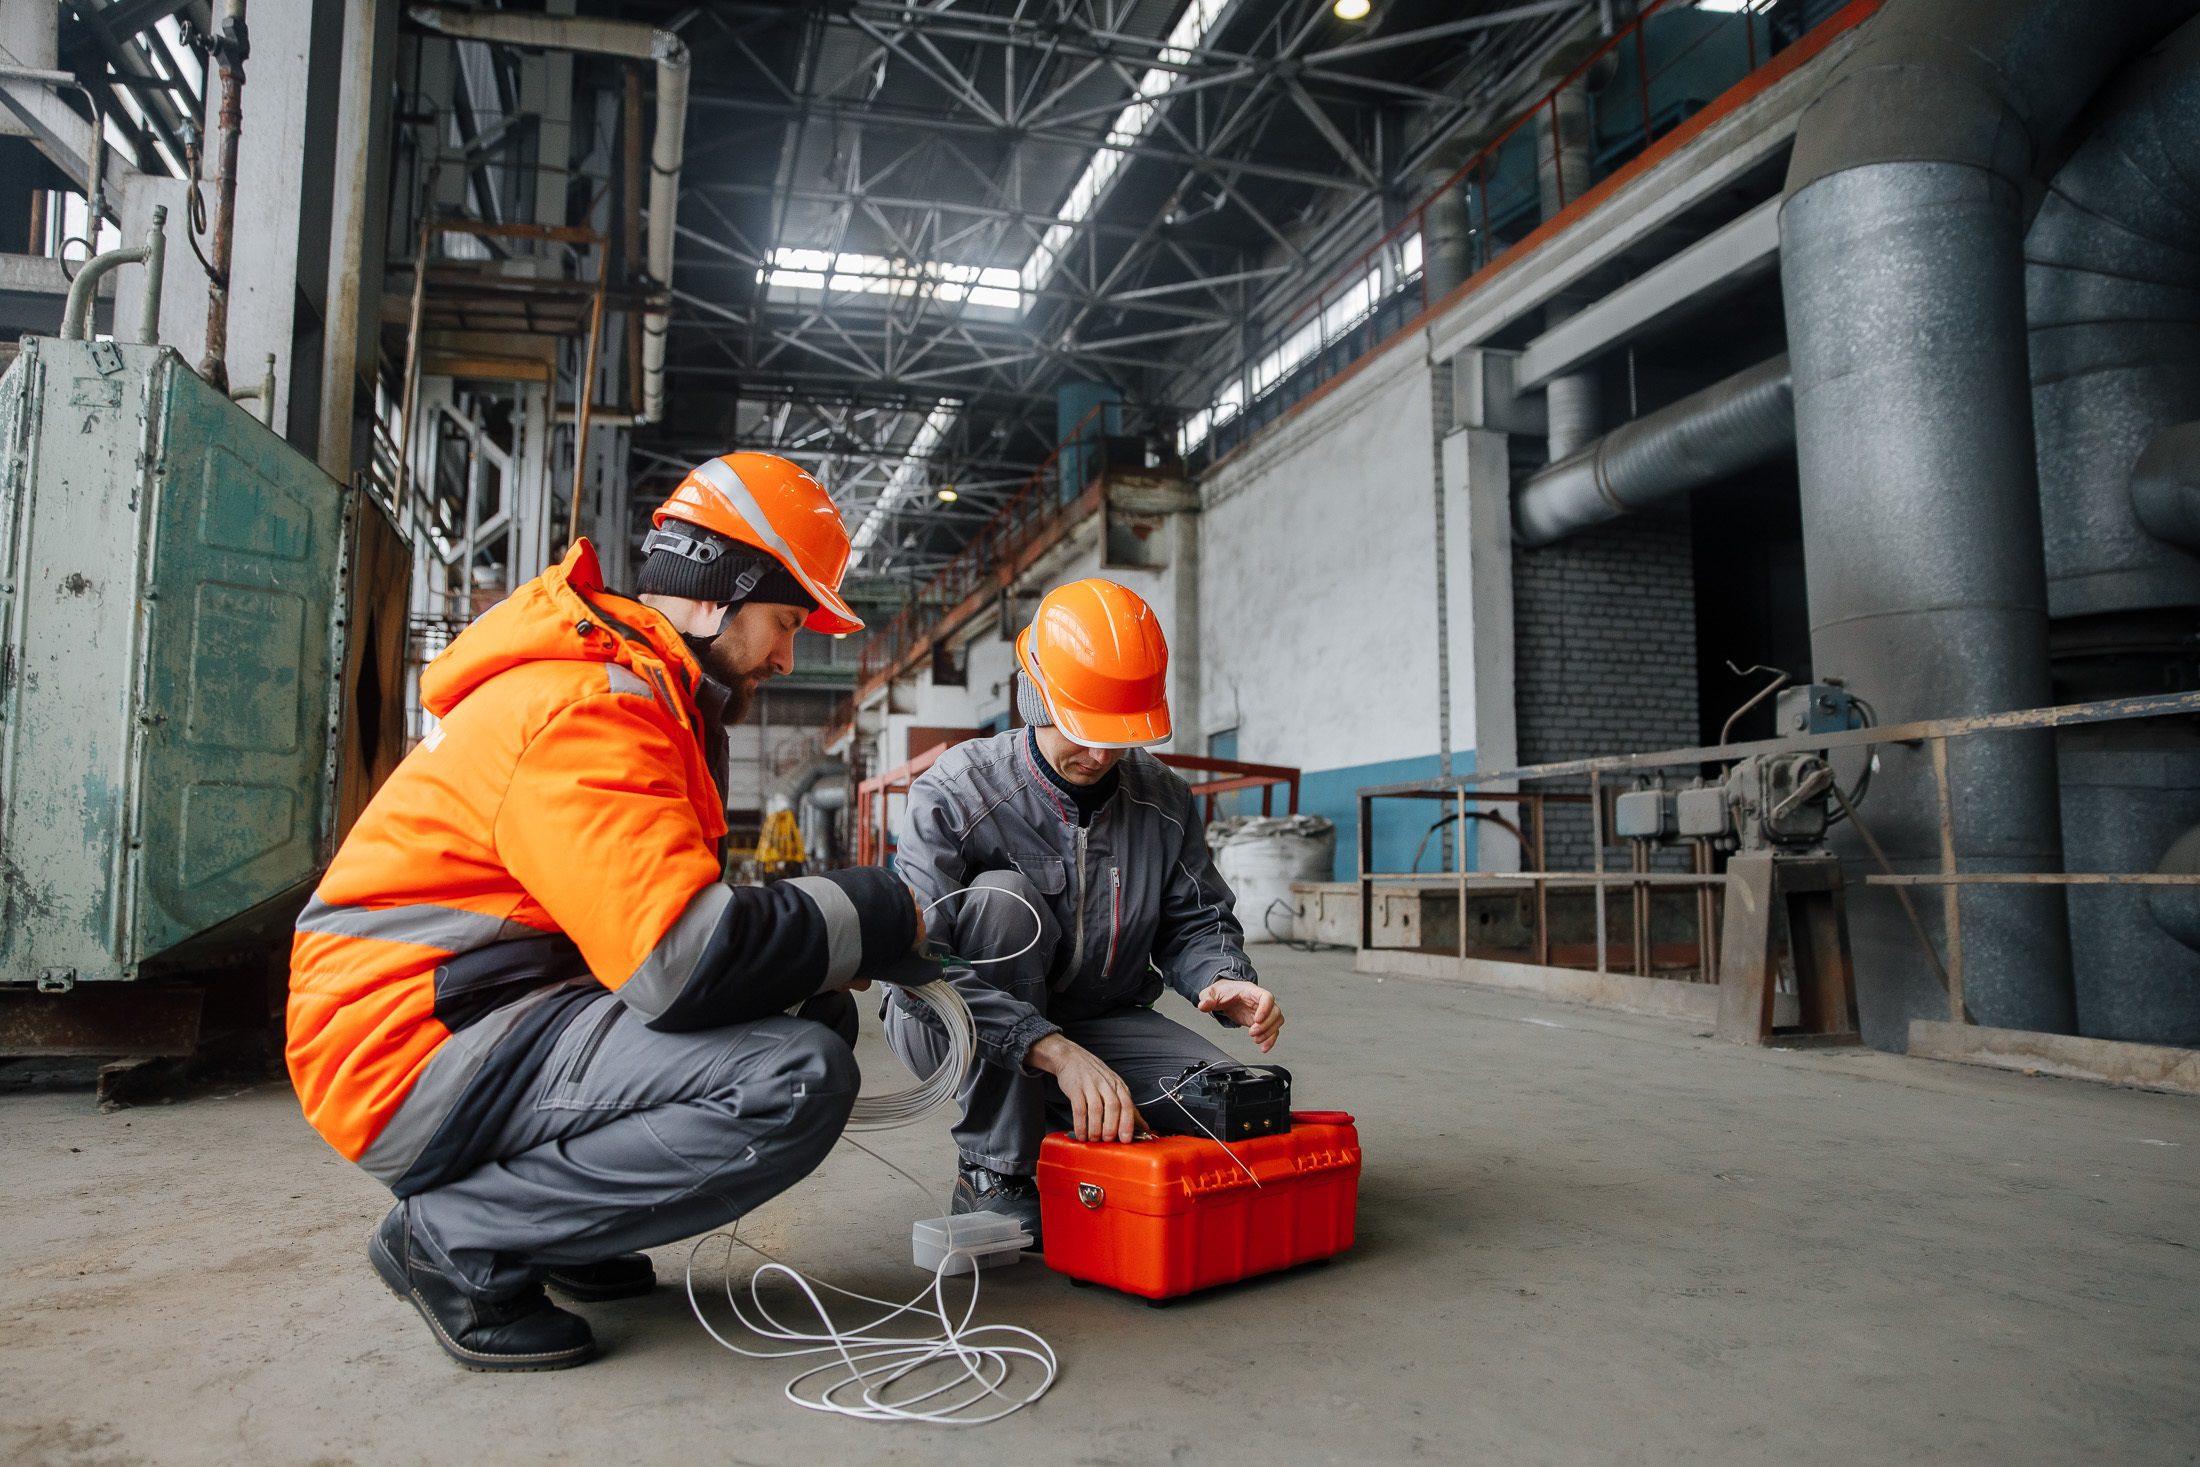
x=755 y=643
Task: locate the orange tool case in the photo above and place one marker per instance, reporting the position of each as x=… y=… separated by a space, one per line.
x=1172 y=1214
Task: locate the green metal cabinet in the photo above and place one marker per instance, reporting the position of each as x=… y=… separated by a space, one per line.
x=171 y=634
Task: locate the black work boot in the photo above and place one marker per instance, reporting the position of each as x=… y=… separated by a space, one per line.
x=628 y=1276
x=523 y=1332
x=981 y=1189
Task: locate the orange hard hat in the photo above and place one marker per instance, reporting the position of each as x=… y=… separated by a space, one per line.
x=763 y=500
x=1096 y=655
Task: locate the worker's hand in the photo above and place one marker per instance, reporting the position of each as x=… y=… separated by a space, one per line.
x=1100 y=1105
x=1247 y=1005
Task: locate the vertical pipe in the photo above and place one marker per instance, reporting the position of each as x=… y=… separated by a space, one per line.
x=411 y=396
x=1902 y=271
x=156 y=264
x=1596 y=863
x=230 y=49
x=587 y=393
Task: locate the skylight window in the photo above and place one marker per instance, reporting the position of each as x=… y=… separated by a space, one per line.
x=978 y=285
x=908 y=475
x=1129 y=126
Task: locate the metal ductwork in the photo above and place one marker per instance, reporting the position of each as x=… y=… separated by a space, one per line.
x=2112 y=287
x=1725 y=428
x=637 y=41
x=1902 y=268
x=1447 y=240
x=2165 y=482
x=1574 y=403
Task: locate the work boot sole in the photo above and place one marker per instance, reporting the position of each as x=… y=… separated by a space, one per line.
x=394 y=1279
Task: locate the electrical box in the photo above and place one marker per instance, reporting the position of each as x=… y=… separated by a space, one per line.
x=1813 y=708
x=172 y=637
x=1700 y=811
x=1643 y=814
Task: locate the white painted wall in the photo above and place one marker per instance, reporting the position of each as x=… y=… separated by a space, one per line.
x=1318 y=579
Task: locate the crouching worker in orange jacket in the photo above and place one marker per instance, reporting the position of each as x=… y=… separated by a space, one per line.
x=524 y=999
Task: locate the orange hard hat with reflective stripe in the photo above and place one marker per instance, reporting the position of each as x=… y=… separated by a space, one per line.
x=761 y=499
x=1096 y=655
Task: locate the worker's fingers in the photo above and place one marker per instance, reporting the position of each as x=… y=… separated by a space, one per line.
x=1077 y=1114
x=1127 y=1113
x=1111 y=1112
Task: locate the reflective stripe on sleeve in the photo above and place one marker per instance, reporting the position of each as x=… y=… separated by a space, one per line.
x=843 y=928
x=652 y=988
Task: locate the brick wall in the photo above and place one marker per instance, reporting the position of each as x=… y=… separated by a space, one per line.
x=1604 y=653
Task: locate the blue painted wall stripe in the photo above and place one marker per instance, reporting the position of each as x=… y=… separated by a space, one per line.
x=1399 y=824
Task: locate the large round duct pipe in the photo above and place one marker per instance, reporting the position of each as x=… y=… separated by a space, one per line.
x=1721 y=430
x=1574 y=403
x=1447 y=240
x=2112 y=290
x=1902 y=269
x=2165 y=483
x=2112 y=287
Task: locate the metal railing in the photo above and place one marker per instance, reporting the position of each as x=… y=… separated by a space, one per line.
x=1467 y=792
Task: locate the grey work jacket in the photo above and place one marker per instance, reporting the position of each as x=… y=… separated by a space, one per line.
x=1135 y=895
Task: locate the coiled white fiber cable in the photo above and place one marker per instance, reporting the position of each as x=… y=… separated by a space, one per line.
x=885 y=1112
x=956 y=1375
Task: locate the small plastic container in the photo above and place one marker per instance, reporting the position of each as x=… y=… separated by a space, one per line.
x=977 y=1240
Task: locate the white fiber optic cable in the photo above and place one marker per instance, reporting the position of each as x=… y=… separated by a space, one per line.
x=885 y=1112
x=953 y=1374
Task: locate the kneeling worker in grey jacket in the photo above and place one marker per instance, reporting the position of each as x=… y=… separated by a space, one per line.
x=1104 y=842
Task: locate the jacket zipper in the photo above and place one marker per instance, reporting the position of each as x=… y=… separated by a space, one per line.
x=595 y=1042
x=1077 y=953
x=1115 y=919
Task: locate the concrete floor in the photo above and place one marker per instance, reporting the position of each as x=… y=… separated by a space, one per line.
x=1584 y=1238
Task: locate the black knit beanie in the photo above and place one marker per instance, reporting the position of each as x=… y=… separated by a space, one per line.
x=701 y=565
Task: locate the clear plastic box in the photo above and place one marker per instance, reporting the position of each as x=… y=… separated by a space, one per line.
x=978 y=1239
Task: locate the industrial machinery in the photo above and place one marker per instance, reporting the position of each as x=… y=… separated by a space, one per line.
x=1770 y=812
x=176 y=679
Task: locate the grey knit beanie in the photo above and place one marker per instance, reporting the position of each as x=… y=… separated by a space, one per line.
x=1029 y=705
x=687 y=560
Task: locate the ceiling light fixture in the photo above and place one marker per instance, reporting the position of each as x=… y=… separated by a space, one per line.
x=948 y=494
x=1351 y=9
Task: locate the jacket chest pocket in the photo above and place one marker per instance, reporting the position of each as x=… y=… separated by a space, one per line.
x=1046 y=872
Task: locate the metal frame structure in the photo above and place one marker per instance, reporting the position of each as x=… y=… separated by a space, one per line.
x=933 y=136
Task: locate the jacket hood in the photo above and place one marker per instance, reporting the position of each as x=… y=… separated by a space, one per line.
x=562 y=615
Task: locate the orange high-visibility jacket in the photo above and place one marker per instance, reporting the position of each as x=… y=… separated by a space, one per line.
x=555 y=836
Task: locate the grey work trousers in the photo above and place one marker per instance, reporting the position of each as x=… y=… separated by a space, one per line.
x=630 y=1138
x=1007 y=1110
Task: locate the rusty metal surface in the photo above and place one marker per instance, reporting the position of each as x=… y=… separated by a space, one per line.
x=103 y=1019
x=172 y=628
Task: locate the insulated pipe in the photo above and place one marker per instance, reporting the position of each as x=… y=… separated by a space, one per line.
x=2165 y=486
x=2112 y=290
x=638 y=41
x=1707 y=435
x=1574 y=407
x=1902 y=269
